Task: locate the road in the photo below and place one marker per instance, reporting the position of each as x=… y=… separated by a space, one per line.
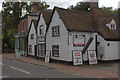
x=16 y=69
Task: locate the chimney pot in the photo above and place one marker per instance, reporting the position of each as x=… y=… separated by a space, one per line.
x=94 y=4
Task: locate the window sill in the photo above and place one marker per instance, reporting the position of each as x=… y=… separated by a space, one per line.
x=55 y=35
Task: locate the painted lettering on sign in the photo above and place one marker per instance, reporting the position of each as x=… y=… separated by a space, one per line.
x=92 y=57
x=77 y=58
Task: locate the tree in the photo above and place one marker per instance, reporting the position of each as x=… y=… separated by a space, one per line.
x=80 y=6
x=11 y=15
x=109 y=10
x=85 y=6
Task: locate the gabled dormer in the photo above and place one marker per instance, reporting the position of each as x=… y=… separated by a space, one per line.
x=112 y=25
x=43 y=21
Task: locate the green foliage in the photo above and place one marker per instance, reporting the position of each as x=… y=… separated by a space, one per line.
x=109 y=10
x=11 y=15
x=80 y=6
x=85 y=6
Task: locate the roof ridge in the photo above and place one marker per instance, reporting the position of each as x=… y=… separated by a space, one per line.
x=72 y=10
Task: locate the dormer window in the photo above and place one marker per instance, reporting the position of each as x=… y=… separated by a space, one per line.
x=113 y=27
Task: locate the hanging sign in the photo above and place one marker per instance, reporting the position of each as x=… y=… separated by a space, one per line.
x=92 y=57
x=47 y=56
x=79 y=40
x=77 y=58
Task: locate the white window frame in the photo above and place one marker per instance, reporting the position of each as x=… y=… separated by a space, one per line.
x=56 y=31
x=41 y=30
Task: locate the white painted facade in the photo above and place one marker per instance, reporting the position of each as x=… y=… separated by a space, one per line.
x=65 y=40
x=41 y=37
x=109 y=49
x=33 y=41
x=41 y=22
x=87 y=36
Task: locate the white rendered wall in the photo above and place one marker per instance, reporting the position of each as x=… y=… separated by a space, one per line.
x=87 y=36
x=41 y=22
x=61 y=40
x=109 y=52
x=32 y=41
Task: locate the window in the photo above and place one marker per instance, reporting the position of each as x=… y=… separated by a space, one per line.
x=41 y=29
x=32 y=36
x=41 y=49
x=55 y=31
x=30 y=49
x=112 y=26
x=55 y=50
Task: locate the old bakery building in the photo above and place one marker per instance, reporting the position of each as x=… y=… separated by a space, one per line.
x=69 y=31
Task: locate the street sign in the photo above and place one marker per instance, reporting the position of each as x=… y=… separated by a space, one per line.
x=92 y=57
x=77 y=58
x=47 y=56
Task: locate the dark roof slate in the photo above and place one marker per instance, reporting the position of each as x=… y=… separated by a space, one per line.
x=82 y=21
x=75 y=20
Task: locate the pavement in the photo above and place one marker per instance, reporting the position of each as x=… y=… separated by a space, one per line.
x=100 y=70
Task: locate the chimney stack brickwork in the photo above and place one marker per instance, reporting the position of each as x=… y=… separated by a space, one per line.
x=95 y=13
x=35 y=7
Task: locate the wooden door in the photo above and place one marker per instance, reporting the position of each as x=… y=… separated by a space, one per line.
x=36 y=50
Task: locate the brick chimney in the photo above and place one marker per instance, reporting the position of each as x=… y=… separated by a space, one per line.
x=35 y=7
x=95 y=13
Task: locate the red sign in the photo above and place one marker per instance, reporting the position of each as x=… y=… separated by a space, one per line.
x=79 y=40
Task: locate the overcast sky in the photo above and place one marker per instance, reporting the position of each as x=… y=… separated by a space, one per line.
x=66 y=3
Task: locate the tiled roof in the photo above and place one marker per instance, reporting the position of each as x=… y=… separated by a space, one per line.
x=82 y=21
x=46 y=15
x=75 y=20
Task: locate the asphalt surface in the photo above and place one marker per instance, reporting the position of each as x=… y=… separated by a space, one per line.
x=16 y=69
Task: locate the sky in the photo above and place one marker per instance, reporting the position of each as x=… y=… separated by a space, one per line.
x=66 y=3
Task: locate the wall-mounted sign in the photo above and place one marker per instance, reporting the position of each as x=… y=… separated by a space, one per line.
x=92 y=57
x=47 y=56
x=79 y=40
x=77 y=58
